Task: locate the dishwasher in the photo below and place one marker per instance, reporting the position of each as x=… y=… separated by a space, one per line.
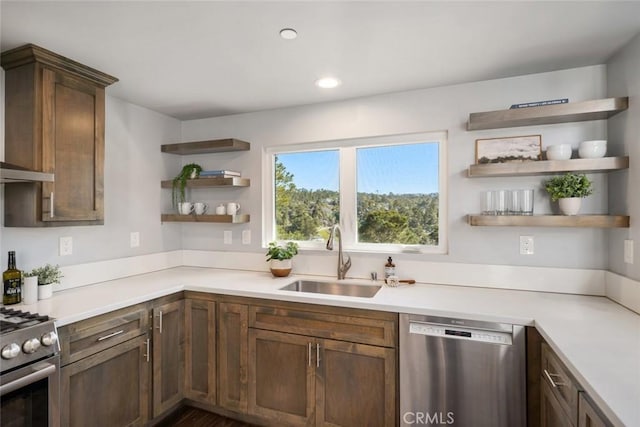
x=461 y=372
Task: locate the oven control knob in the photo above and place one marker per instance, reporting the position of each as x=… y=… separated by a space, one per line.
x=10 y=351
x=49 y=338
x=31 y=345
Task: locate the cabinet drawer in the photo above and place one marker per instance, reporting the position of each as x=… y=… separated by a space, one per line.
x=87 y=337
x=343 y=324
x=560 y=382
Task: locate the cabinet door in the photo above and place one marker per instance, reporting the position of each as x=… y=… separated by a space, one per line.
x=72 y=148
x=200 y=345
x=282 y=377
x=356 y=385
x=110 y=388
x=551 y=412
x=588 y=415
x=168 y=356
x=233 y=340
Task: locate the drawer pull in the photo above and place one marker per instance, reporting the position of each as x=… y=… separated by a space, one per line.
x=51 y=212
x=317 y=355
x=147 y=353
x=111 y=335
x=553 y=383
x=309 y=352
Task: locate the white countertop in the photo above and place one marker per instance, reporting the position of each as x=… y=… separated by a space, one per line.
x=597 y=339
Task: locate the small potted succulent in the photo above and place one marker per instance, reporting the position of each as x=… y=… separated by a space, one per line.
x=280 y=257
x=190 y=171
x=569 y=190
x=47 y=277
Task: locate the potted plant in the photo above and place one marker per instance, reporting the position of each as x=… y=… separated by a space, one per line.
x=569 y=190
x=280 y=257
x=47 y=277
x=190 y=171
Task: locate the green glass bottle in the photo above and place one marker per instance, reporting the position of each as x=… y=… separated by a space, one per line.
x=12 y=282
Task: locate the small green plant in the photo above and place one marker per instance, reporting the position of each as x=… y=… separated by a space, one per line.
x=568 y=185
x=47 y=274
x=180 y=182
x=279 y=252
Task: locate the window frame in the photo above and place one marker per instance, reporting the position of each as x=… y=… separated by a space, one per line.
x=347 y=149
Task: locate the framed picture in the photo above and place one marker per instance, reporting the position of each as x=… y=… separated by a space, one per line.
x=509 y=149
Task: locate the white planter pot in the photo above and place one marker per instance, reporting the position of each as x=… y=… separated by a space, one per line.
x=45 y=291
x=570 y=206
x=281 y=268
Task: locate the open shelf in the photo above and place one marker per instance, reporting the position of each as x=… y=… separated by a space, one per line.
x=211 y=183
x=547 y=167
x=597 y=109
x=597 y=221
x=223 y=219
x=204 y=147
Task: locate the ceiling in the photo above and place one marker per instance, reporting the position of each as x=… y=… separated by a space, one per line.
x=211 y=58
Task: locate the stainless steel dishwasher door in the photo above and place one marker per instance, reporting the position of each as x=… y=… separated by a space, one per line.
x=462 y=373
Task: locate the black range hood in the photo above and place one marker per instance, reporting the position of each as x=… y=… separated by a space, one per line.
x=10 y=173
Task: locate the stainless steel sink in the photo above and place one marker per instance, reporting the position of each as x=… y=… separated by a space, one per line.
x=332 y=288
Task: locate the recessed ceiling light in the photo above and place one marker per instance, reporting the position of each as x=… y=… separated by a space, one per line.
x=327 y=82
x=288 y=33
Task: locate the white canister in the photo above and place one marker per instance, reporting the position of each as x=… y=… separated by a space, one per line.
x=221 y=210
x=30 y=290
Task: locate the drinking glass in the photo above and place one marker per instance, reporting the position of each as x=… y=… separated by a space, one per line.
x=501 y=201
x=488 y=207
x=527 y=202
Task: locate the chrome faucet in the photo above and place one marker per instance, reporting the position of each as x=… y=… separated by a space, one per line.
x=343 y=267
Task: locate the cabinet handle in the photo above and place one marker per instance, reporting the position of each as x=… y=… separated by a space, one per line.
x=147 y=353
x=317 y=355
x=309 y=353
x=553 y=383
x=51 y=214
x=160 y=320
x=111 y=335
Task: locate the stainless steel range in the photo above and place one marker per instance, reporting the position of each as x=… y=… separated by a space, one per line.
x=29 y=369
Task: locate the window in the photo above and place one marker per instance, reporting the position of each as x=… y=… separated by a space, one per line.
x=386 y=193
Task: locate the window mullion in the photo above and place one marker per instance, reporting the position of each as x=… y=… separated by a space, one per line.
x=348 y=215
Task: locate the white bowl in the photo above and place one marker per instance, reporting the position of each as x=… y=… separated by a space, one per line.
x=559 y=152
x=592 y=149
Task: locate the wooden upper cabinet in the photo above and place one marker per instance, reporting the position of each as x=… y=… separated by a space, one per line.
x=54 y=122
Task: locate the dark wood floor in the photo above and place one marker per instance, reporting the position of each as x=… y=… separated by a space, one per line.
x=193 y=417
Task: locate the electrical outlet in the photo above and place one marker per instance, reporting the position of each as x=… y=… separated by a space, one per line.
x=134 y=239
x=246 y=237
x=228 y=237
x=526 y=245
x=65 y=246
x=628 y=251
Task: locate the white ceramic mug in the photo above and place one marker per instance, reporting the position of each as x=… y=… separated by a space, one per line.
x=200 y=208
x=233 y=208
x=221 y=210
x=185 y=208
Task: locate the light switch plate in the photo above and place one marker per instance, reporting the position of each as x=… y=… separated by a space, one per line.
x=134 y=239
x=628 y=251
x=228 y=237
x=65 y=246
x=246 y=237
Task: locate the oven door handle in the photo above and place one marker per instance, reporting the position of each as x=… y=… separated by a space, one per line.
x=42 y=373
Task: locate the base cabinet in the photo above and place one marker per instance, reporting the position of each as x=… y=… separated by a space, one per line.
x=551 y=413
x=232 y=356
x=283 y=377
x=589 y=415
x=110 y=388
x=200 y=351
x=168 y=356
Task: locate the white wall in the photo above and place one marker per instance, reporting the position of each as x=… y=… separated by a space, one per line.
x=623 y=79
x=134 y=167
x=444 y=108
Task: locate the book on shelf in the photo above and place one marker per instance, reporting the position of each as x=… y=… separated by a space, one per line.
x=540 y=103
x=220 y=174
